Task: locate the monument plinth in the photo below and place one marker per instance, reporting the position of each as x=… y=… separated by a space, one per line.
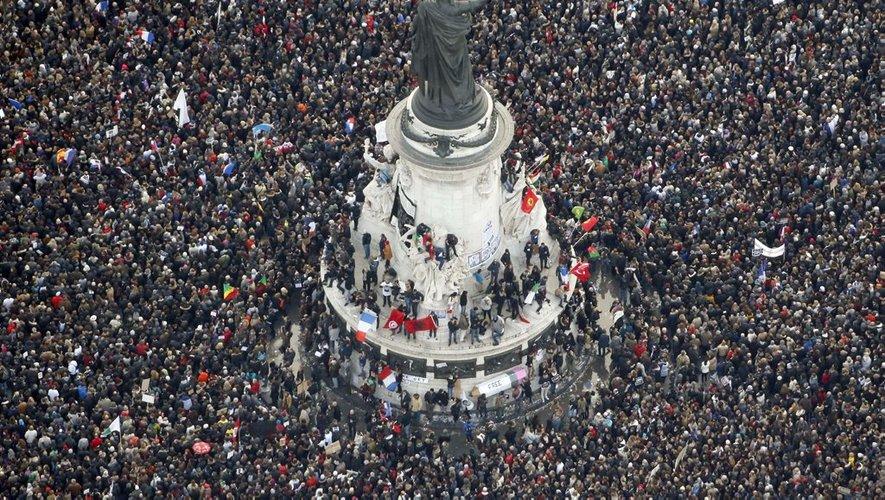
x=440 y=201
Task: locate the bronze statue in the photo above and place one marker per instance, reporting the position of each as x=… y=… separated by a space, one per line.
x=448 y=93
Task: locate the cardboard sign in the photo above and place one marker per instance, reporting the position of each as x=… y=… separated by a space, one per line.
x=333 y=448
x=302 y=387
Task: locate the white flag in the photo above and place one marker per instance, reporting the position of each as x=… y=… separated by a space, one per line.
x=761 y=249
x=181 y=106
x=530 y=297
x=114 y=427
x=381 y=131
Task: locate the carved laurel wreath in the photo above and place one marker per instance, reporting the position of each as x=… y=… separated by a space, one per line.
x=443 y=145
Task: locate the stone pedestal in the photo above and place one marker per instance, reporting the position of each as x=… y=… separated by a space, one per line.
x=450 y=180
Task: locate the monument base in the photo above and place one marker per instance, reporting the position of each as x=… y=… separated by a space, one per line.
x=434 y=358
x=448 y=118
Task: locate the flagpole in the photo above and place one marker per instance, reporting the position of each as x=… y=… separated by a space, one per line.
x=218 y=15
x=162 y=163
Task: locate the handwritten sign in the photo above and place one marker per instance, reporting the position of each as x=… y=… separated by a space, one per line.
x=491 y=239
x=413 y=379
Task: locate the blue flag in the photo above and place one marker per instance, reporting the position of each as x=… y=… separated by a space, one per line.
x=15 y=104
x=230 y=168
x=261 y=128
x=760 y=273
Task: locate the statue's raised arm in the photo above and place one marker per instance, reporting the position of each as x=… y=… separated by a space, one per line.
x=468 y=6
x=448 y=93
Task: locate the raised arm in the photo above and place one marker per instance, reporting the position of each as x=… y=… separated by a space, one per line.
x=463 y=6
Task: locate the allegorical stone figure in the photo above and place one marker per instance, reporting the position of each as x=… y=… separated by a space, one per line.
x=440 y=58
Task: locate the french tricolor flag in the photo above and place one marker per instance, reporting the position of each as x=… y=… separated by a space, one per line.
x=647 y=227
x=368 y=320
x=387 y=377
x=145 y=35
x=201 y=178
x=349 y=125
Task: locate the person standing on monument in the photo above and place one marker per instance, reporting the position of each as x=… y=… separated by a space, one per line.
x=386 y=293
x=475 y=325
x=494 y=269
x=387 y=253
x=528 y=250
x=367 y=245
x=499 y=299
x=514 y=301
x=497 y=329
x=505 y=257
x=453 y=329
x=381 y=243
x=486 y=305
x=544 y=255
x=411 y=298
x=372 y=274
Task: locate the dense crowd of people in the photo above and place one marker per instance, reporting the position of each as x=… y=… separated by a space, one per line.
x=145 y=266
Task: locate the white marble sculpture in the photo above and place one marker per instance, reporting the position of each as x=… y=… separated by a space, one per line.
x=379 y=194
x=436 y=284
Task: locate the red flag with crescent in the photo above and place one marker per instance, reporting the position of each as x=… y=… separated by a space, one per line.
x=395 y=320
x=529 y=200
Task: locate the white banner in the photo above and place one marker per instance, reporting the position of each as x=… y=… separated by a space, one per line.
x=761 y=249
x=414 y=379
x=502 y=382
x=530 y=297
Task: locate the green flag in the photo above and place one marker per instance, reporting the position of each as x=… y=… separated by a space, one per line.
x=578 y=211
